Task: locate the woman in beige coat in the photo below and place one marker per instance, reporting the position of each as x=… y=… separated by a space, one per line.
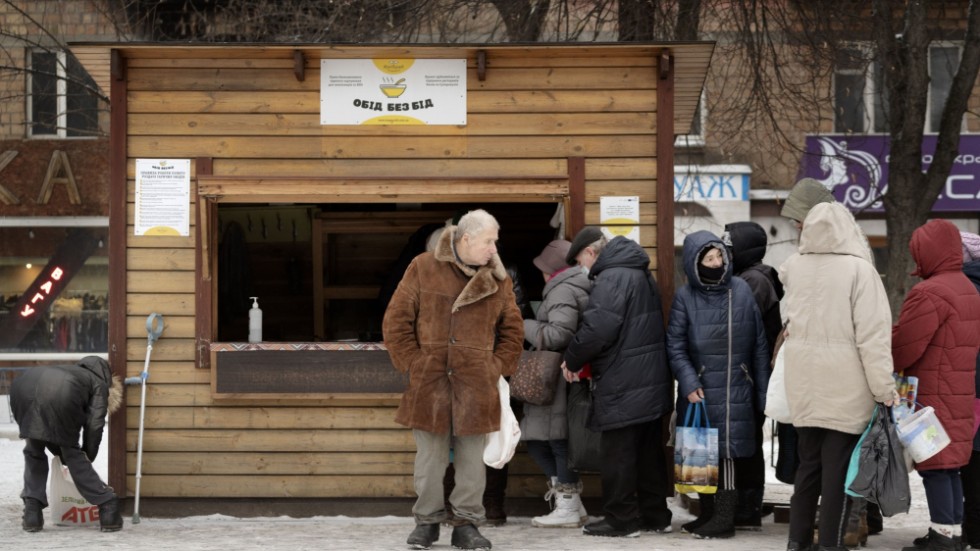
x=838 y=363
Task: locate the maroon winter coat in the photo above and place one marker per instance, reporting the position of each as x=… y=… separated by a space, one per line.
x=936 y=338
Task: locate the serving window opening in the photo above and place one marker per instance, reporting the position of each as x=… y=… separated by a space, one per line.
x=325 y=272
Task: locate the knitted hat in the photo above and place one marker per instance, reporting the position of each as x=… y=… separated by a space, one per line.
x=586 y=236
x=971 y=246
x=804 y=195
x=552 y=258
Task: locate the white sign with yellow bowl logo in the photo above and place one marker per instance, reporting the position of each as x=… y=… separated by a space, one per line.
x=163 y=197
x=620 y=216
x=393 y=91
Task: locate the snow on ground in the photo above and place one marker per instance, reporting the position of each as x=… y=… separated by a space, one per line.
x=370 y=533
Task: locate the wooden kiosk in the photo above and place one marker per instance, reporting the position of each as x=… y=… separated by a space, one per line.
x=324 y=212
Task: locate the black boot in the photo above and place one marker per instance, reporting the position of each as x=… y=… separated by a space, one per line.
x=875 y=522
x=33 y=517
x=707 y=510
x=933 y=541
x=748 y=513
x=722 y=523
x=109 y=518
x=468 y=537
x=494 y=495
x=423 y=536
x=797 y=546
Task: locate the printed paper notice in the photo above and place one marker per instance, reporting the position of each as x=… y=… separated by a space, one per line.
x=163 y=196
x=620 y=216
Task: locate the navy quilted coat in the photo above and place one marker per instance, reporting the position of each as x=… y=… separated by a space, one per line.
x=716 y=341
x=622 y=335
x=936 y=338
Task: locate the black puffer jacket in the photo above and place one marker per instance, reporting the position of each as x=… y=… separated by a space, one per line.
x=748 y=245
x=716 y=342
x=56 y=404
x=622 y=336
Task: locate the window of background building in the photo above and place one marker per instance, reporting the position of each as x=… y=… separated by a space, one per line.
x=860 y=95
x=62 y=102
x=943 y=63
x=54 y=285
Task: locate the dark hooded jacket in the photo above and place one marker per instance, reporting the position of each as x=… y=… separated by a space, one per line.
x=936 y=338
x=748 y=247
x=56 y=404
x=715 y=341
x=622 y=336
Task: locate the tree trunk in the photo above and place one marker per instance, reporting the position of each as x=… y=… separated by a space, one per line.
x=524 y=19
x=636 y=20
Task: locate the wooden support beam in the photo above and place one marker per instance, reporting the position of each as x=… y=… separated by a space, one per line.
x=299 y=65
x=481 y=65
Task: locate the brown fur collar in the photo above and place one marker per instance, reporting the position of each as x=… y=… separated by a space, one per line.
x=482 y=280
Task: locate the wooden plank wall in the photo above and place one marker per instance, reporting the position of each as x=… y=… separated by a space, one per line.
x=254 y=118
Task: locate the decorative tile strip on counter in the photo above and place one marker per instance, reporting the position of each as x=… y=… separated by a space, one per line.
x=294 y=346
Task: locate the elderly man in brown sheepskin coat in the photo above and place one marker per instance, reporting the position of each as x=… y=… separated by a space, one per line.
x=454 y=326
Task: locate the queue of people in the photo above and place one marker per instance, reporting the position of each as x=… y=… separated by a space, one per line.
x=454 y=327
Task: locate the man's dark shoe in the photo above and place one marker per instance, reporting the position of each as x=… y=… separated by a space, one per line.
x=604 y=529
x=468 y=537
x=647 y=526
x=934 y=541
x=109 y=518
x=33 y=517
x=423 y=536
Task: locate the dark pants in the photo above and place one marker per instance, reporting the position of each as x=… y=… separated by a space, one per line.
x=552 y=457
x=970 y=477
x=36 y=473
x=634 y=476
x=944 y=494
x=824 y=456
x=752 y=470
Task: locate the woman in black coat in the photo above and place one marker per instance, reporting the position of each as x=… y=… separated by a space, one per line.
x=719 y=353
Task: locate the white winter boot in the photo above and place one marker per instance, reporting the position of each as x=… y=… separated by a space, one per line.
x=568 y=511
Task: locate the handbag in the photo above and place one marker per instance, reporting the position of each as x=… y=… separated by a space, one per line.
x=584 y=453
x=536 y=378
x=68 y=507
x=500 y=445
x=877 y=469
x=696 y=453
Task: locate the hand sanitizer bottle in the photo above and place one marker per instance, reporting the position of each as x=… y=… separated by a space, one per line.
x=255 y=321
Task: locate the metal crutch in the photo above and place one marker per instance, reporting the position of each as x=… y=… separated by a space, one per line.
x=154 y=327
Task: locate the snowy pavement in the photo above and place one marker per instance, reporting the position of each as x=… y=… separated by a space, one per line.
x=367 y=533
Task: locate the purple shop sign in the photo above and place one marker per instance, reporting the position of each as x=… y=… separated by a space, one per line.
x=855 y=169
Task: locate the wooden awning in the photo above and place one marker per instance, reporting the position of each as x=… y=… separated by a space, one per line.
x=236 y=189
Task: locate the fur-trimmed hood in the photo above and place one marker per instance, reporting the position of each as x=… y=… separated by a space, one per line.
x=483 y=279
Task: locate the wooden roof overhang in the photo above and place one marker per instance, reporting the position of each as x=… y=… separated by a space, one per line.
x=690 y=60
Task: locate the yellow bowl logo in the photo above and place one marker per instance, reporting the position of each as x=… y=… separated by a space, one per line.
x=393 y=90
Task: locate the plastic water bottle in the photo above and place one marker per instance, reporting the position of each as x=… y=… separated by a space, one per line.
x=255 y=321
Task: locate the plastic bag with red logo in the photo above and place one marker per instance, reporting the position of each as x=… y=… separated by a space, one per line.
x=68 y=507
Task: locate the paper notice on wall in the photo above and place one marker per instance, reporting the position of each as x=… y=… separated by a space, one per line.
x=163 y=196
x=620 y=216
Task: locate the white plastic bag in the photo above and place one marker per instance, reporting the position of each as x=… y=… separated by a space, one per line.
x=500 y=445
x=777 y=406
x=68 y=507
